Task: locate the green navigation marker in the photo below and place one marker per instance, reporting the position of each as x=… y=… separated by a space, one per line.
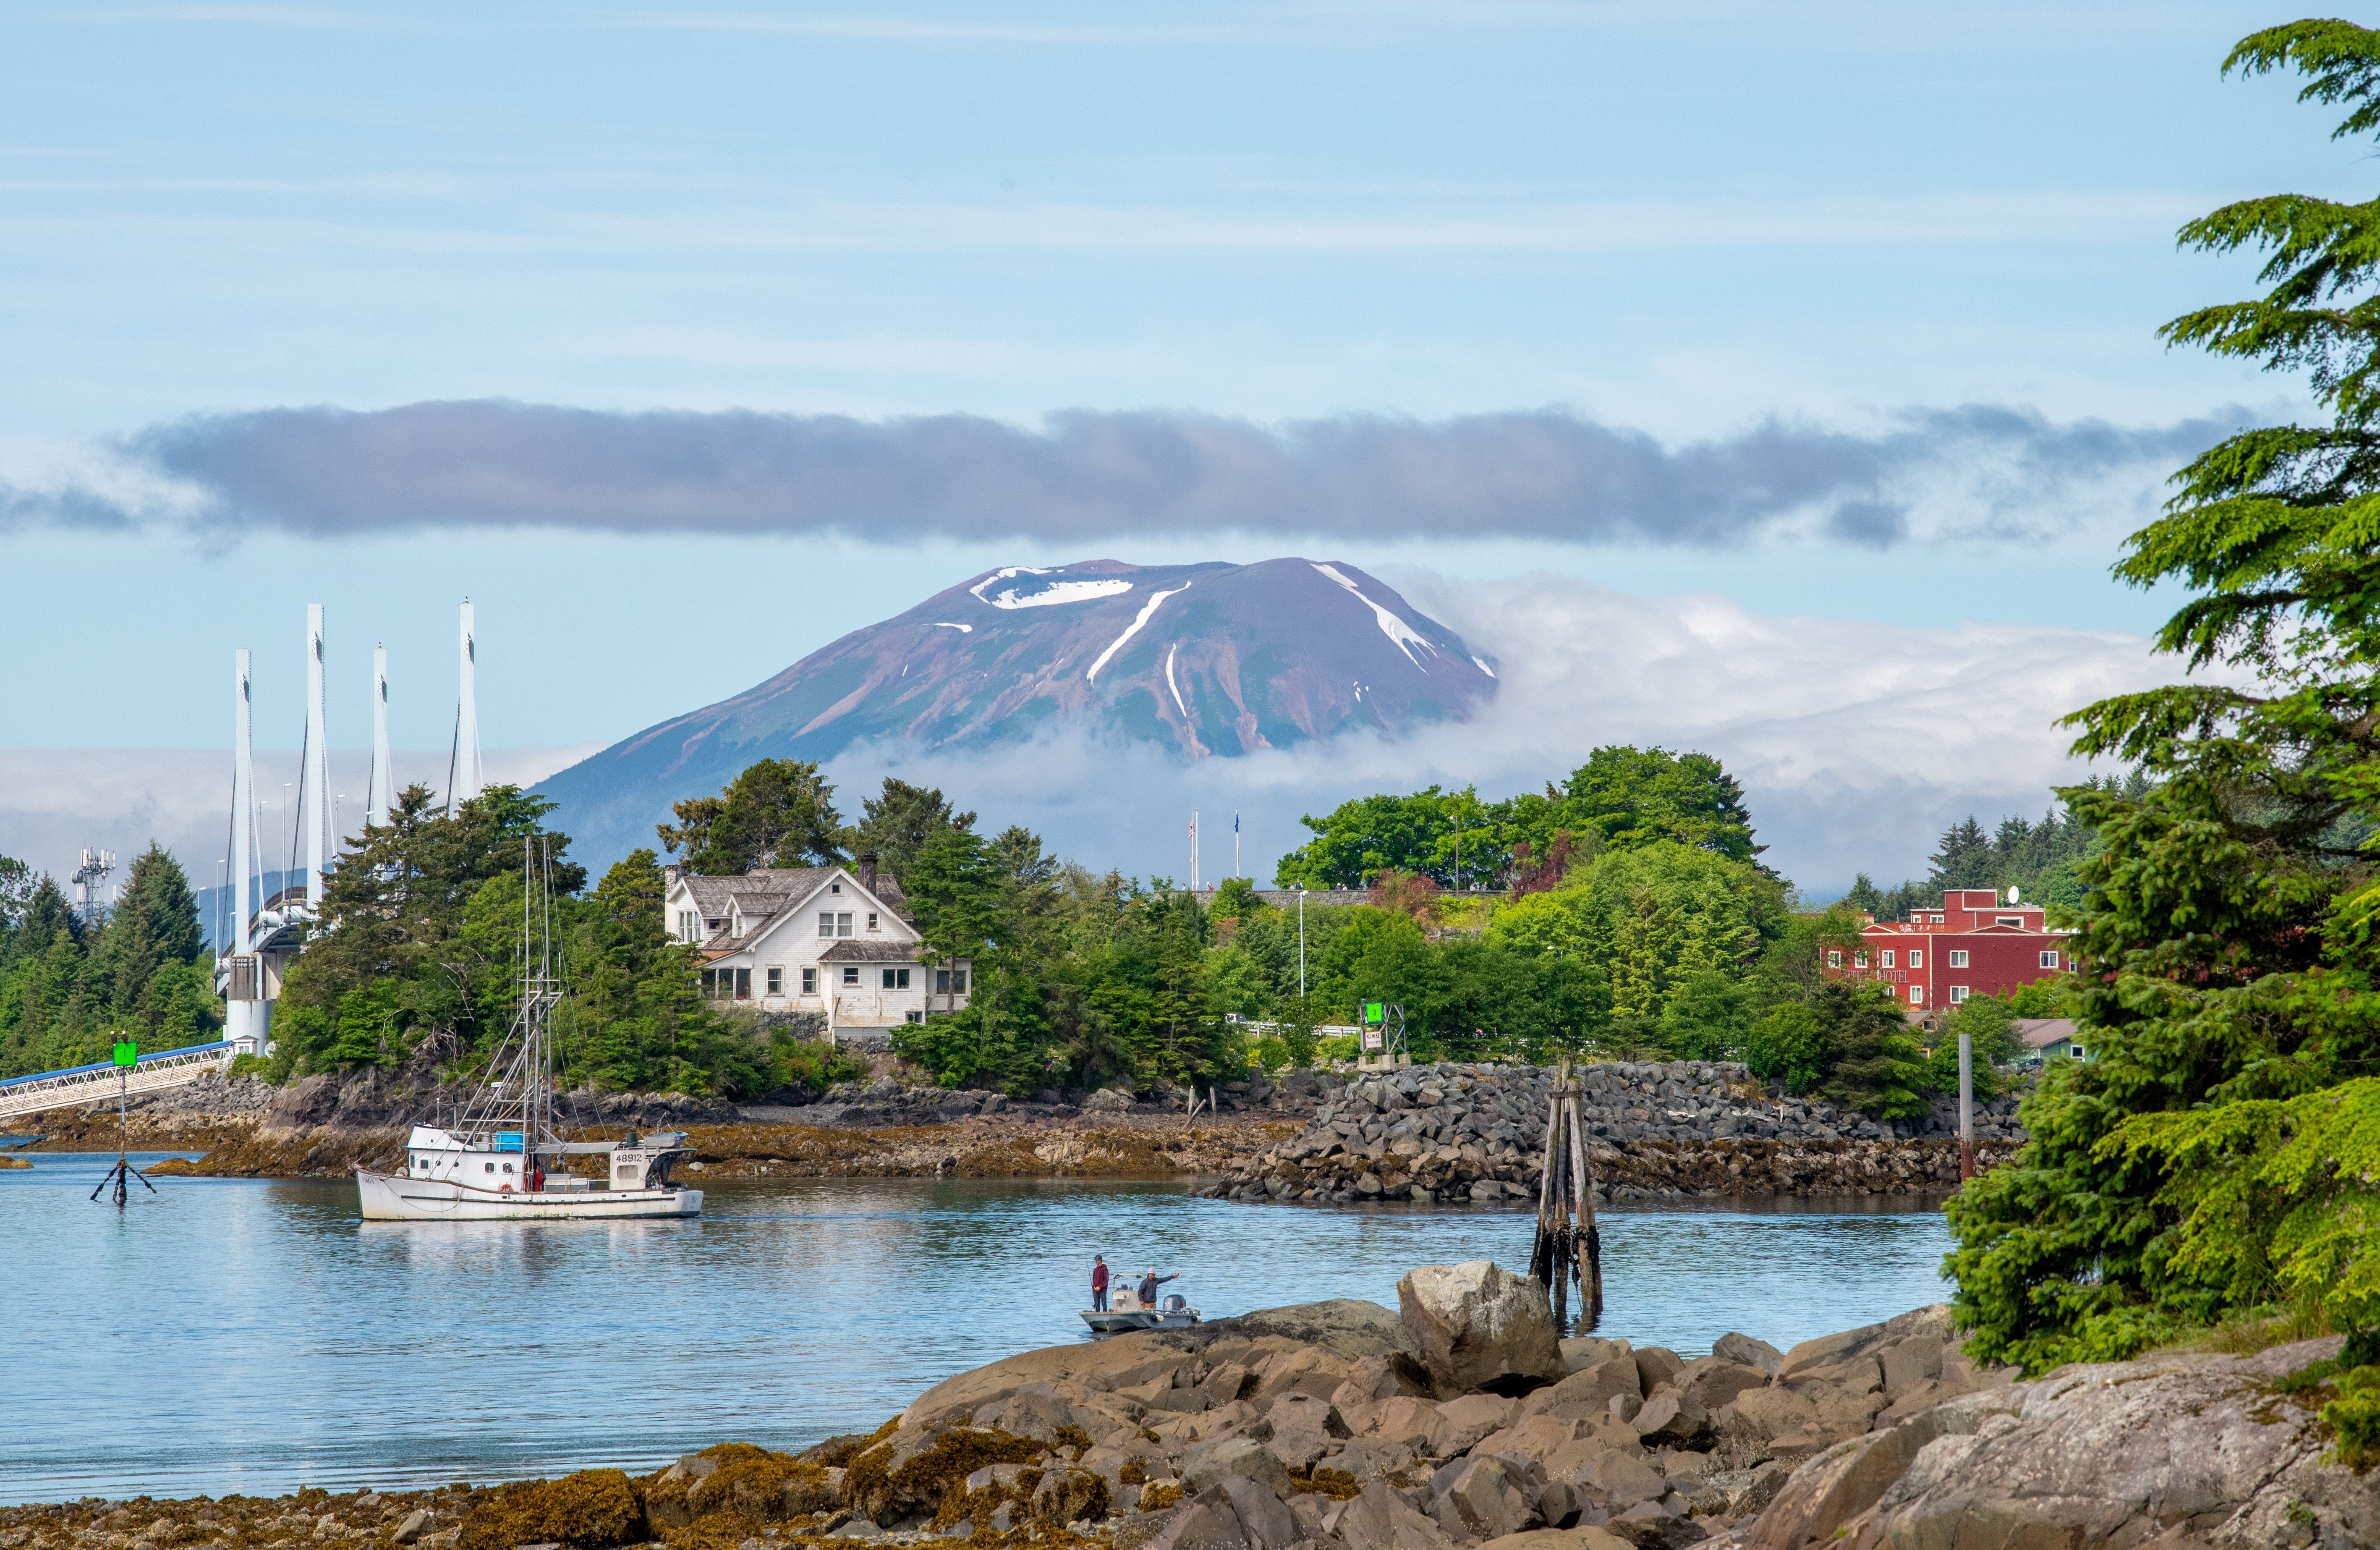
x=126 y=1053
x=1375 y=1012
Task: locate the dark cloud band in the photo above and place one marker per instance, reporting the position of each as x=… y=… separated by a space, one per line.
x=1542 y=474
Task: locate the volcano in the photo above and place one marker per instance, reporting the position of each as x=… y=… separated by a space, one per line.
x=1209 y=660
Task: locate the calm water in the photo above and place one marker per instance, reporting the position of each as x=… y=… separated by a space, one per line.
x=242 y=1336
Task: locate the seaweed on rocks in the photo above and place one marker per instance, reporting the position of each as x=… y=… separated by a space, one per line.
x=590 y=1511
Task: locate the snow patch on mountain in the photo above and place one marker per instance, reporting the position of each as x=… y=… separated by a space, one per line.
x=1133 y=629
x=1391 y=626
x=1055 y=592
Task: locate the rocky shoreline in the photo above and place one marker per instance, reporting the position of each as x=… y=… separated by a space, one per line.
x=1461 y=1419
x=1476 y=1133
x=1426 y=1133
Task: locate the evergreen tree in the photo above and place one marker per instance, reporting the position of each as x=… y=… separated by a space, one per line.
x=2215 y=1157
x=898 y=821
x=1964 y=858
x=1872 y=1061
x=778 y=813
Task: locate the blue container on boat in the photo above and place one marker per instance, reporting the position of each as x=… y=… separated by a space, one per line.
x=508 y=1140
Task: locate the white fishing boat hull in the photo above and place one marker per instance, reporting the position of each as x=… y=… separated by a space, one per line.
x=395 y=1197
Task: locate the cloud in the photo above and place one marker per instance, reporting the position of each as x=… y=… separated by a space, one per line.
x=1976 y=471
x=1857 y=743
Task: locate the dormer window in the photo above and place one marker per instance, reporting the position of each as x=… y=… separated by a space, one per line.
x=834 y=887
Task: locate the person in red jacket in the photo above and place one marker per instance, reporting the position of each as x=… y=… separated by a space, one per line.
x=1099 y=1283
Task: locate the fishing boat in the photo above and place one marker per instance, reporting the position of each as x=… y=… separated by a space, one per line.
x=500 y=1159
x=1126 y=1311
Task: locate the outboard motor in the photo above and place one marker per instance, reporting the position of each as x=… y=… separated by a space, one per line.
x=1173 y=1304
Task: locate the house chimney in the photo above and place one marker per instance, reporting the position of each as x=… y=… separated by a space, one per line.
x=868 y=870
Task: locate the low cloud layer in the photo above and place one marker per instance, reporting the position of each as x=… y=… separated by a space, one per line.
x=1975 y=471
x=1857 y=742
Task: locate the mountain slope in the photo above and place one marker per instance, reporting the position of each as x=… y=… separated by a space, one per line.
x=1207 y=659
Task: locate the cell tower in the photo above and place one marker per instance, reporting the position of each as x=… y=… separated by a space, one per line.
x=89 y=879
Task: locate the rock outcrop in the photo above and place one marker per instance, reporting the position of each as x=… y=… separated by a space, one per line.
x=1480 y=1328
x=1478 y=1133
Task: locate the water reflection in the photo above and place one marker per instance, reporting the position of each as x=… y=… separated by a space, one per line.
x=240 y=1335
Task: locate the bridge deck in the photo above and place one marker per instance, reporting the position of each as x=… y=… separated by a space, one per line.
x=92 y=1084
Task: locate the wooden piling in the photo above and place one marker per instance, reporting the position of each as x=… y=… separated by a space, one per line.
x=1568 y=1245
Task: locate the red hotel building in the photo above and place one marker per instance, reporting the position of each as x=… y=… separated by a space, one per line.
x=1972 y=945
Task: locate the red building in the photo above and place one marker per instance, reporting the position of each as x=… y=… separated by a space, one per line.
x=1972 y=945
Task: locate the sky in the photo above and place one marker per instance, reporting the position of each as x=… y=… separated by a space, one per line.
x=686 y=340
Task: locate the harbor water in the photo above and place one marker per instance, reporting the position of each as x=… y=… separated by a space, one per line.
x=241 y=1335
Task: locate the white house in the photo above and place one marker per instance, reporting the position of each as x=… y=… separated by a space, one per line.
x=826 y=939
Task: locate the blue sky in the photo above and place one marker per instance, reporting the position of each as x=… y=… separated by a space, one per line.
x=1681 y=220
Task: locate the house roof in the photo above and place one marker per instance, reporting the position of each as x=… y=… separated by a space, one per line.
x=871 y=952
x=2042 y=1032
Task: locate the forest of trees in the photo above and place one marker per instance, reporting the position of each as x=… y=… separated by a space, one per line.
x=1639 y=920
x=67 y=986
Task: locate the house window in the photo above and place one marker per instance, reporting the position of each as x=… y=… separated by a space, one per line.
x=1916 y=958
x=1835 y=958
x=717 y=923
x=941 y=981
x=1958 y=993
x=2050 y=961
x=1859 y=960
x=914 y=1017
x=1958 y=958
x=826 y=923
x=843 y=924
x=851 y=975
x=2076 y=1051
x=2008 y=919
x=776 y=980
x=1917 y=995
x=742 y=984
x=834 y=887
x=871 y=920
x=896 y=979
x=810 y=981
x=1890 y=991
x=689 y=926
x=710 y=986
x=1884 y=958
x=959 y=981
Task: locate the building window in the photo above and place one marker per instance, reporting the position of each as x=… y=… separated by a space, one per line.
x=1916 y=958
x=688 y=928
x=717 y=923
x=810 y=981
x=776 y=980
x=1958 y=993
x=851 y=975
x=2077 y=1052
x=1890 y=991
x=1834 y=958
x=1859 y=960
x=1958 y=958
x=871 y=920
x=2050 y=961
x=915 y=1017
x=742 y=984
x=710 y=986
x=1884 y=959
x=1917 y=995
x=2008 y=919
x=896 y=979
x=959 y=981
x=834 y=887
x=826 y=924
x=843 y=924
x=941 y=981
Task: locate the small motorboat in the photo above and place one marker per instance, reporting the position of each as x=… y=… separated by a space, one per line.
x=1125 y=1313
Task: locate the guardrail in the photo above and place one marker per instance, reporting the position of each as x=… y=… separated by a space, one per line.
x=90 y=1084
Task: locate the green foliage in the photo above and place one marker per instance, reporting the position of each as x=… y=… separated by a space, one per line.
x=898 y=822
x=1787 y=1043
x=66 y=988
x=2212 y=1158
x=778 y=813
x=1708 y=1017
x=1621 y=798
x=1872 y=1058
x=1235 y=896
x=2043 y=860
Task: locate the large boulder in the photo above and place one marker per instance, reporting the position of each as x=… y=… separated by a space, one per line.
x=2183 y=1449
x=1479 y=1327
x=1345 y=1329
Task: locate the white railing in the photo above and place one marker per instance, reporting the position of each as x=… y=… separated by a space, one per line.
x=90 y=1084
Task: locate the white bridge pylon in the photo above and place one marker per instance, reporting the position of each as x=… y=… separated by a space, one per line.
x=267 y=934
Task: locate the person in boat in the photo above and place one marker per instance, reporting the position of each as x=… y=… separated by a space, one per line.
x=1099 y=1283
x=1150 y=1281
